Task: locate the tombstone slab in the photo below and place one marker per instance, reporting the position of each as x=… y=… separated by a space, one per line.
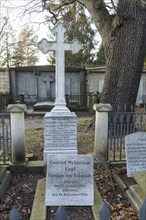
x=60 y=134
x=69 y=180
x=135 y=152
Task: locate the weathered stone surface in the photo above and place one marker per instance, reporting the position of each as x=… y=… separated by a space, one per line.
x=135 y=152
x=16 y=108
x=102 y=107
x=69 y=180
x=140 y=178
x=60 y=134
x=137 y=193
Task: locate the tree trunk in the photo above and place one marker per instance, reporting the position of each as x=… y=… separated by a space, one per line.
x=126 y=56
x=124 y=40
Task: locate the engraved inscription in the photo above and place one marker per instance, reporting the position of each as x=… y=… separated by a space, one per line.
x=69 y=180
x=136 y=152
x=60 y=133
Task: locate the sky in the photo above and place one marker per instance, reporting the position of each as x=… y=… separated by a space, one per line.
x=18 y=19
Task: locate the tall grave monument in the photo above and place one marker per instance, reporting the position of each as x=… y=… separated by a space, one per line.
x=60 y=123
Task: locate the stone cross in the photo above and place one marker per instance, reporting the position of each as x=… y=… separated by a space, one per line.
x=59 y=46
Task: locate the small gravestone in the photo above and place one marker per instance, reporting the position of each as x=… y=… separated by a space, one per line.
x=69 y=180
x=135 y=152
x=140 y=93
x=101 y=84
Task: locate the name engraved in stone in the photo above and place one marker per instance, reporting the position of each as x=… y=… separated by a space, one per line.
x=69 y=180
x=60 y=133
x=136 y=152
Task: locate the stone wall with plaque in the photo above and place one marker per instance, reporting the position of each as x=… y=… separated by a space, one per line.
x=135 y=152
x=69 y=180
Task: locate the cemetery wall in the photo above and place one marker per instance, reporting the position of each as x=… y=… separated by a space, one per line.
x=4 y=81
x=95 y=81
x=93 y=78
x=37 y=83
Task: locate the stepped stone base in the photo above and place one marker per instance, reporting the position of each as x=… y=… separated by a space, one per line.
x=39 y=210
x=137 y=193
x=140 y=178
x=28 y=167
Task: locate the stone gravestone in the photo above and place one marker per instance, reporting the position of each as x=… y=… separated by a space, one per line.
x=101 y=84
x=69 y=180
x=135 y=152
x=140 y=93
x=60 y=123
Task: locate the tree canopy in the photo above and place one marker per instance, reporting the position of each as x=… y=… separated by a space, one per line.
x=78 y=27
x=7 y=40
x=25 y=50
x=100 y=57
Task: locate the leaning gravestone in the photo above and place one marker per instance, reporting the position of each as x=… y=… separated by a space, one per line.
x=69 y=180
x=135 y=152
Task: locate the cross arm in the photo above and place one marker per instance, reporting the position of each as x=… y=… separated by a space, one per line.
x=44 y=46
x=73 y=46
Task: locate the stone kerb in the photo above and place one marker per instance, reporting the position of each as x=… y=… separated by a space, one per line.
x=101 y=132
x=17 y=132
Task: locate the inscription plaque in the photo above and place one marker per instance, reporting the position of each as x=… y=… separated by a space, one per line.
x=60 y=132
x=135 y=152
x=69 y=180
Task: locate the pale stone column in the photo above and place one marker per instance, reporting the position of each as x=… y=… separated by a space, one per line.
x=101 y=132
x=17 y=132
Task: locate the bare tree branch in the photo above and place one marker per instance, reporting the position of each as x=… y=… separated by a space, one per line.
x=113 y=5
x=100 y=15
x=4 y=24
x=55 y=7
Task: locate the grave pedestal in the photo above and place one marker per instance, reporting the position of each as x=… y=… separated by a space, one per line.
x=101 y=132
x=17 y=132
x=60 y=133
